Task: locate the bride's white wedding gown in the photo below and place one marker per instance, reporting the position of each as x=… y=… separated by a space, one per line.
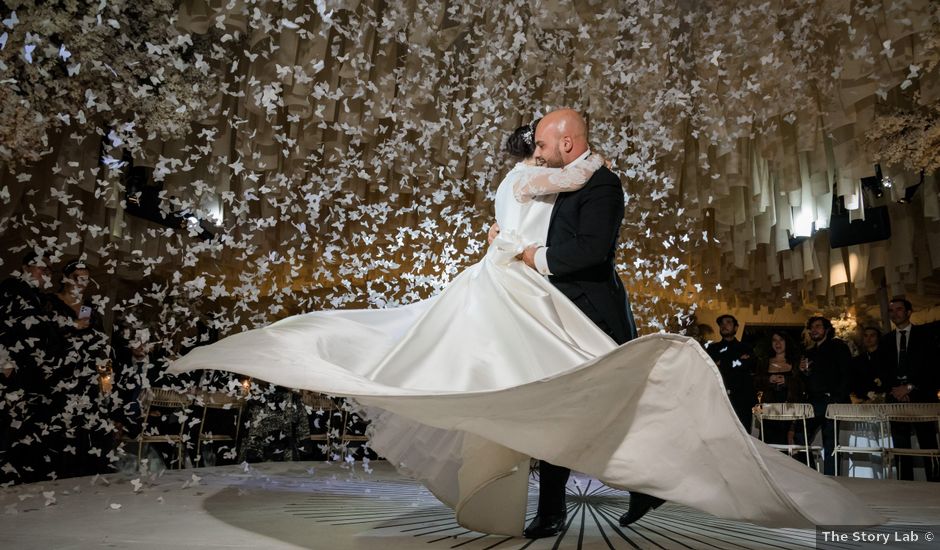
x=464 y=387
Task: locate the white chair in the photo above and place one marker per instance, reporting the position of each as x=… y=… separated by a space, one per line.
x=166 y=399
x=867 y=413
x=911 y=412
x=353 y=430
x=220 y=402
x=788 y=411
x=320 y=402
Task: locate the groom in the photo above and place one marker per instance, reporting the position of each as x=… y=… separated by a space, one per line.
x=579 y=260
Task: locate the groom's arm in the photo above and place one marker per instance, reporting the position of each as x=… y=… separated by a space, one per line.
x=600 y=216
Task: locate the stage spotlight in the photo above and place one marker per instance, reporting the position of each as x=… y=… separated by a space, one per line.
x=876 y=184
x=142 y=198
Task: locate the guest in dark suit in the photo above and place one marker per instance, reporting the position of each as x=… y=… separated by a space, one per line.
x=909 y=371
x=29 y=344
x=579 y=260
x=735 y=361
x=82 y=409
x=826 y=370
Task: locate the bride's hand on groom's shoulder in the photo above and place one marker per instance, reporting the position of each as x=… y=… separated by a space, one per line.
x=598 y=160
x=604 y=161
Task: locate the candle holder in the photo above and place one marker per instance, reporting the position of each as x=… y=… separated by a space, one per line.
x=105 y=376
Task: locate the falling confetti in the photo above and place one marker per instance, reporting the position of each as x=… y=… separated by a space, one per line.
x=358 y=168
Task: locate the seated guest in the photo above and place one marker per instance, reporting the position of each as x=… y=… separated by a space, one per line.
x=778 y=382
x=865 y=381
x=825 y=370
x=908 y=357
x=736 y=364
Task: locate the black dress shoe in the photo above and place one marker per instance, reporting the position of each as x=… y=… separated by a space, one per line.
x=640 y=504
x=544 y=526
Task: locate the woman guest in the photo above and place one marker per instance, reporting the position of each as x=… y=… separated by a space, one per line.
x=779 y=384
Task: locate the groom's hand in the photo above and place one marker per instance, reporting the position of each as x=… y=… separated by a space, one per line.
x=528 y=256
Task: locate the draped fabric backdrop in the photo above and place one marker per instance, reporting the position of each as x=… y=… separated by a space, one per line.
x=346 y=153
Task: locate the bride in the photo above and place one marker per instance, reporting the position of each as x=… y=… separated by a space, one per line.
x=464 y=387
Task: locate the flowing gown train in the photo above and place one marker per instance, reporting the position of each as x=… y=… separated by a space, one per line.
x=464 y=387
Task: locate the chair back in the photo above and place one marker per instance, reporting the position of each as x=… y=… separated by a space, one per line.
x=218 y=400
x=863 y=412
x=784 y=411
x=317 y=401
x=912 y=412
x=165 y=397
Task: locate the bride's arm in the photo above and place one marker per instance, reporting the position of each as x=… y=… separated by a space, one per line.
x=537 y=180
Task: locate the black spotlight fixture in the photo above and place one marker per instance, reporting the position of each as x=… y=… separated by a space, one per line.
x=142 y=198
x=874 y=184
x=912 y=190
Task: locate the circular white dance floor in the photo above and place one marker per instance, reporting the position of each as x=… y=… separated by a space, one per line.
x=321 y=505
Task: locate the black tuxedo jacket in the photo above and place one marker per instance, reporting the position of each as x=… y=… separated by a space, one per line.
x=922 y=359
x=582 y=243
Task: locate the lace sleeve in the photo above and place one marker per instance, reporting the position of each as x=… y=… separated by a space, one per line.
x=537 y=180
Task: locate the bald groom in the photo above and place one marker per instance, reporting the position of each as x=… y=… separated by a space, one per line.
x=579 y=259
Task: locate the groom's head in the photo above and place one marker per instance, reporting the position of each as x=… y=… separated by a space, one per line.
x=560 y=137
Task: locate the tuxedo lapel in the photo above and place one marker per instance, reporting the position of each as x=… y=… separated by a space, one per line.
x=551 y=220
x=893 y=345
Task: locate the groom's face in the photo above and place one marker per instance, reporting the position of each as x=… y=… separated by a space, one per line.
x=548 y=148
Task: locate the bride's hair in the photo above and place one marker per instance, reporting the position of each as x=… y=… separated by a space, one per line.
x=521 y=143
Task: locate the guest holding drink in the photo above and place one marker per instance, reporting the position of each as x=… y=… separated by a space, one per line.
x=779 y=383
x=826 y=371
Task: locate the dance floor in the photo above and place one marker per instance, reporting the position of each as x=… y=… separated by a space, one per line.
x=338 y=506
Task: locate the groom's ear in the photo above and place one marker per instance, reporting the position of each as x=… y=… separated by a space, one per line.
x=567 y=144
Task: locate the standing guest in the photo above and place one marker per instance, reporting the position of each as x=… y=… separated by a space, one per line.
x=826 y=371
x=779 y=383
x=866 y=379
x=909 y=368
x=736 y=364
x=83 y=412
x=28 y=343
x=137 y=368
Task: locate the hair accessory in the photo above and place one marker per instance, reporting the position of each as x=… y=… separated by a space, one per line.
x=72 y=266
x=527 y=136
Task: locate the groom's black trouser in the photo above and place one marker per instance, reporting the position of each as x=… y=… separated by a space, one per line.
x=554 y=479
x=552 y=482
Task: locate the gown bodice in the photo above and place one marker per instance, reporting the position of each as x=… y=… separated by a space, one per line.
x=527 y=221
